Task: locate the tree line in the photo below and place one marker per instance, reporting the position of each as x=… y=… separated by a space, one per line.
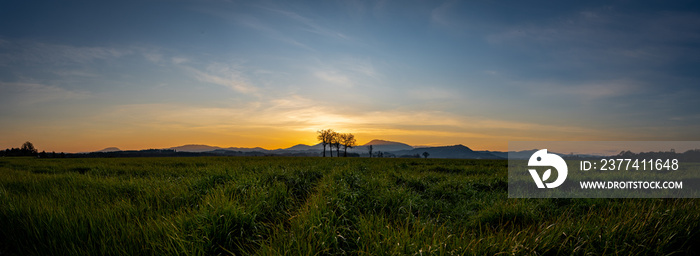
x=28 y=149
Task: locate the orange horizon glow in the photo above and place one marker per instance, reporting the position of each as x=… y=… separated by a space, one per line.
x=288 y=122
x=59 y=145
x=267 y=138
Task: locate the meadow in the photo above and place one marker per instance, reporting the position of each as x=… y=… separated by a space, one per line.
x=310 y=206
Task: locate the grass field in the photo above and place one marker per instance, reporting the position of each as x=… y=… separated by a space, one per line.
x=309 y=206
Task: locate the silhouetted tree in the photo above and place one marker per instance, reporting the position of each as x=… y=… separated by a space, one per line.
x=426 y=154
x=370 y=150
x=325 y=137
x=348 y=141
x=14 y=152
x=335 y=142
x=28 y=149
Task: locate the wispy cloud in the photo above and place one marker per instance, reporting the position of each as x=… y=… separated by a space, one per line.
x=178 y=60
x=34 y=93
x=310 y=25
x=25 y=51
x=333 y=77
x=431 y=93
x=302 y=114
x=347 y=72
x=586 y=91
x=269 y=31
x=75 y=73
x=605 y=30
x=225 y=75
x=153 y=56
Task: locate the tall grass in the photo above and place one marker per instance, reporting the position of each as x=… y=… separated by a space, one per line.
x=309 y=206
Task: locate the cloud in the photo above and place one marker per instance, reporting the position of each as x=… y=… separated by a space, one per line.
x=586 y=91
x=299 y=115
x=604 y=31
x=25 y=94
x=254 y=23
x=178 y=60
x=310 y=25
x=153 y=57
x=161 y=56
x=347 y=72
x=32 y=52
x=75 y=73
x=431 y=93
x=333 y=77
x=225 y=75
x=279 y=24
x=440 y=15
x=270 y=32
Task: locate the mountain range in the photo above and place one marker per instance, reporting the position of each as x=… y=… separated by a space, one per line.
x=387 y=149
x=206 y=148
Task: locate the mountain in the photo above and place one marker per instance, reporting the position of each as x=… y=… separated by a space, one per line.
x=385 y=146
x=526 y=154
x=258 y=149
x=194 y=148
x=394 y=148
x=500 y=154
x=109 y=149
x=304 y=147
x=456 y=151
x=206 y=148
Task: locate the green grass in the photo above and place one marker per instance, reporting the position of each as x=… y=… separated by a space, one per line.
x=310 y=206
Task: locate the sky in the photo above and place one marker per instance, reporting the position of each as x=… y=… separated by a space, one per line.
x=81 y=76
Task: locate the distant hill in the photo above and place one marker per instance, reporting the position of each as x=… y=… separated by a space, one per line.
x=456 y=151
x=393 y=148
x=206 y=148
x=109 y=149
x=194 y=148
x=386 y=146
x=255 y=149
x=526 y=154
x=304 y=147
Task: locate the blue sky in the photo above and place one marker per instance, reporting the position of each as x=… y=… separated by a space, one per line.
x=80 y=76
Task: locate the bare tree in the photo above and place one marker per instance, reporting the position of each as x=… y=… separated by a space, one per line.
x=337 y=147
x=331 y=138
x=426 y=154
x=322 y=137
x=370 y=150
x=335 y=142
x=348 y=141
x=325 y=137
